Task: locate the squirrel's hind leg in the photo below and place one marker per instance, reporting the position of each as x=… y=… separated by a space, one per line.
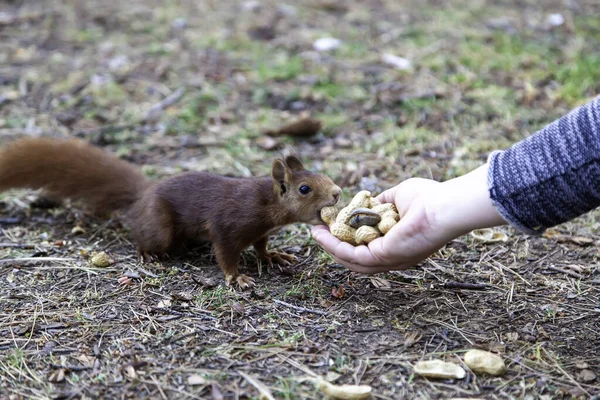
x=152 y=228
x=228 y=259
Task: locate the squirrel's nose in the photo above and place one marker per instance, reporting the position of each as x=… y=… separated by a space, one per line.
x=337 y=194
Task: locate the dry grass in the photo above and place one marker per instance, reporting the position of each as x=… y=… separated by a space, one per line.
x=190 y=86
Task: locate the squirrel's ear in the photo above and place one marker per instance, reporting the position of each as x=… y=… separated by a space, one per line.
x=278 y=173
x=294 y=163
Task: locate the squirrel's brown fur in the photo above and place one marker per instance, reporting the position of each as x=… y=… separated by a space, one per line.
x=233 y=213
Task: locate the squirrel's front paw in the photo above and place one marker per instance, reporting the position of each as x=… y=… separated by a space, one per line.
x=145 y=256
x=279 y=258
x=243 y=281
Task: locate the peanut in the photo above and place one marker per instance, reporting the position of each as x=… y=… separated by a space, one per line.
x=383 y=208
x=374 y=202
x=343 y=232
x=366 y=234
x=439 y=369
x=360 y=200
x=328 y=214
x=388 y=220
x=362 y=221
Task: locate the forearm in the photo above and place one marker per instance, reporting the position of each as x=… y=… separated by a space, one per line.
x=463 y=204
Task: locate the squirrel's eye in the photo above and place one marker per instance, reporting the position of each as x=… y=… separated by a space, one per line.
x=304 y=189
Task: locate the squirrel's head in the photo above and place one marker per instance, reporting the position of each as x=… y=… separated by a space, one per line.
x=302 y=192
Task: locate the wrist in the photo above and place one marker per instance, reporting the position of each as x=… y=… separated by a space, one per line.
x=464 y=204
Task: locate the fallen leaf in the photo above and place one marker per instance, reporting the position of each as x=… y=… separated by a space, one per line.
x=22 y=329
x=216 y=392
x=265 y=393
x=183 y=296
x=129 y=371
x=85 y=360
x=581 y=240
x=197 y=380
x=380 y=282
x=237 y=307
x=164 y=303
x=488 y=235
x=412 y=338
x=337 y=292
x=124 y=280
x=57 y=375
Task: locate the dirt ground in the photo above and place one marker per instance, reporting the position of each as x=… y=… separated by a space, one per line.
x=194 y=85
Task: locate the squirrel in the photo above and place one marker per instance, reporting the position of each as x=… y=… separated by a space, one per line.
x=231 y=213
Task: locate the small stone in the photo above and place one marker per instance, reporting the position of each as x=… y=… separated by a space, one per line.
x=485 y=362
x=102 y=260
x=327 y=44
x=587 y=376
x=439 y=369
x=399 y=63
x=179 y=23
x=582 y=365
x=555 y=19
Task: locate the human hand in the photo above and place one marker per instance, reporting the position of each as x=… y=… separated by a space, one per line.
x=431 y=215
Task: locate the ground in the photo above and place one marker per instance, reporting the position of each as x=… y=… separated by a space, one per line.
x=482 y=75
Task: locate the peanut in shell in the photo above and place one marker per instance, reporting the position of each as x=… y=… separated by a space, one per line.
x=366 y=234
x=343 y=232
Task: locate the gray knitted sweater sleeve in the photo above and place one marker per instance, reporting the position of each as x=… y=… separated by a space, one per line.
x=552 y=176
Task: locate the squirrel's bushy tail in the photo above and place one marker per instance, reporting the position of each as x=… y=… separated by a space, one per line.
x=72 y=169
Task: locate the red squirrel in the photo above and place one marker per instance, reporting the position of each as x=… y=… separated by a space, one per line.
x=232 y=213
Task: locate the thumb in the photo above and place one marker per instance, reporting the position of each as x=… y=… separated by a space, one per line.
x=387 y=196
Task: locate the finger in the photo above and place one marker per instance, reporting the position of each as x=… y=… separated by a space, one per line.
x=320 y=233
x=319 y=228
x=387 y=196
x=359 y=268
x=343 y=251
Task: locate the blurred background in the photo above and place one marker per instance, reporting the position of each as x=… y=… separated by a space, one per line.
x=402 y=88
x=376 y=92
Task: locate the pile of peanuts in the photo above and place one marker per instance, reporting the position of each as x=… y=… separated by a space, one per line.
x=362 y=221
